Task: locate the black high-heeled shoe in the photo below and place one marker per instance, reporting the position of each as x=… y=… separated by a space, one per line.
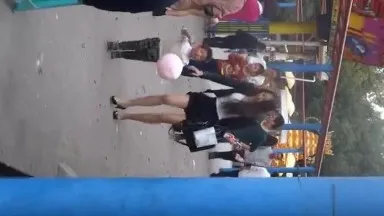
x=115 y=115
x=113 y=101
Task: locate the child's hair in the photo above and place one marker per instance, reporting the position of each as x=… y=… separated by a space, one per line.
x=278 y=122
x=209 y=51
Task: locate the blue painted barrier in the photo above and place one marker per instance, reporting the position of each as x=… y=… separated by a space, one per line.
x=192 y=196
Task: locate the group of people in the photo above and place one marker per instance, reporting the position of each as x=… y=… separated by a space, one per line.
x=248 y=110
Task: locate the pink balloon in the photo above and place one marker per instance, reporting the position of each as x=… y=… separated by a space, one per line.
x=169 y=66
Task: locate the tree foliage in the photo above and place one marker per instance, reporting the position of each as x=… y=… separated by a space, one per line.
x=358 y=128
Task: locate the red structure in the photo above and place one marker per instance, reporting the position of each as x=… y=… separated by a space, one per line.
x=370 y=8
x=345 y=8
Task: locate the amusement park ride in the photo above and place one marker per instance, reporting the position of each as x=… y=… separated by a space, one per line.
x=227 y=196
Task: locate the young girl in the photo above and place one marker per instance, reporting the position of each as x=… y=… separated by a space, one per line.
x=148 y=49
x=238 y=67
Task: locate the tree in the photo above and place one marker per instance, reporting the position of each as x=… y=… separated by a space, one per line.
x=358 y=138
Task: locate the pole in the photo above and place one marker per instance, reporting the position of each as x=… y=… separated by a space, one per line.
x=300 y=79
x=291 y=169
x=300 y=126
x=304 y=68
x=287 y=150
x=291 y=43
x=264 y=27
x=192 y=196
x=287 y=4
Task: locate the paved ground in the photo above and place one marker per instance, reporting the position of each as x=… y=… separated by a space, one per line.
x=62 y=114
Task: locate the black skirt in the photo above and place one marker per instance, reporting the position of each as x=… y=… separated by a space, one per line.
x=131 y=6
x=201 y=108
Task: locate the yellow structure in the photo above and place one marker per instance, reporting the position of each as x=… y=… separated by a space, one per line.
x=267 y=28
x=292 y=28
x=296 y=139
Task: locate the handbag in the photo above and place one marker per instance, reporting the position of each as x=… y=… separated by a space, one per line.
x=205 y=137
x=197 y=136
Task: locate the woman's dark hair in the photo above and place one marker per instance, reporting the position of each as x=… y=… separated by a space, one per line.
x=252 y=109
x=209 y=51
x=270 y=141
x=259 y=90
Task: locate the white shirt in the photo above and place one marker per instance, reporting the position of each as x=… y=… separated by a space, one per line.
x=255 y=172
x=182 y=49
x=257 y=80
x=259 y=157
x=222 y=114
x=264 y=128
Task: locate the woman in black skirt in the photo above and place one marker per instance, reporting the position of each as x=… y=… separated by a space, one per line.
x=130 y=6
x=209 y=106
x=233 y=110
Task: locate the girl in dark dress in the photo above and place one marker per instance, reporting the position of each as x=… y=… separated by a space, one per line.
x=234 y=110
x=243 y=100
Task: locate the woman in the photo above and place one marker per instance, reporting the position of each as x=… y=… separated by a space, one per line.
x=233 y=110
x=210 y=106
x=130 y=6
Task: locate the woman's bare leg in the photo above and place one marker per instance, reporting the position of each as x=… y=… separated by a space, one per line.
x=151 y=118
x=180 y=101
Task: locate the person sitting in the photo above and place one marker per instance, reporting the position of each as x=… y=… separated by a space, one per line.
x=261 y=155
x=245 y=172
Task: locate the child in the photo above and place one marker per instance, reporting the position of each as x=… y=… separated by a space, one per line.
x=148 y=49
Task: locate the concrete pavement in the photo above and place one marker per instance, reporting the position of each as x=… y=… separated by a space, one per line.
x=61 y=113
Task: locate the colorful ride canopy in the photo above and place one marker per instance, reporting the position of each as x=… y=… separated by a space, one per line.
x=365 y=38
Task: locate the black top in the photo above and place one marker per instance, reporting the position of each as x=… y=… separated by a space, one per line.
x=244 y=40
x=248 y=131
